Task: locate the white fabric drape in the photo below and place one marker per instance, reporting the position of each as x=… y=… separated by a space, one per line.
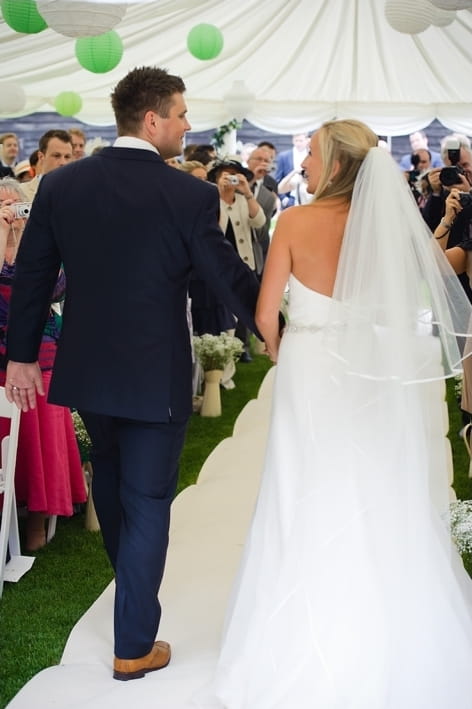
x=306 y=61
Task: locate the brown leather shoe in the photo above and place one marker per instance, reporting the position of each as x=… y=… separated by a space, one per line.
x=158 y=658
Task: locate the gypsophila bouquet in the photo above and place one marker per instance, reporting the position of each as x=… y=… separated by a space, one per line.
x=215 y=351
x=83 y=439
x=460 y=521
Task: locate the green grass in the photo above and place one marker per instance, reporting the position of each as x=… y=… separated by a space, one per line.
x=38 y=613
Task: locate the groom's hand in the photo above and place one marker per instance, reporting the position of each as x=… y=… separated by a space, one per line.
x=22 y=382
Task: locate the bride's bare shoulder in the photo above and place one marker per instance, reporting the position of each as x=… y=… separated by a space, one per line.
x=309 y=214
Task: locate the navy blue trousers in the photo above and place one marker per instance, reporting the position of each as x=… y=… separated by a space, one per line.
x=135 y=470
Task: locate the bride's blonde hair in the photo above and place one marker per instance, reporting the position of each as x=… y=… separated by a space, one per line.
x=348 y=142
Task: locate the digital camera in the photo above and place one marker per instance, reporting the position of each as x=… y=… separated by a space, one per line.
x=233 y=179
x=450 y=176
x=21 y=210
x=413 y=176
x=465 y=198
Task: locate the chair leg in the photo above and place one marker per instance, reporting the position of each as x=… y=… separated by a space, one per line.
x=51 y=530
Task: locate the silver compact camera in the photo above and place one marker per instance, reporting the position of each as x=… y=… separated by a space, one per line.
x=233 y=179
x=21 y=210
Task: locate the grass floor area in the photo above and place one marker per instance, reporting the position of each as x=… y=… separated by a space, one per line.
x=38 y=613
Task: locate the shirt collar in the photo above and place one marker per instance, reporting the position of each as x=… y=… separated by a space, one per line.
x=131 y=141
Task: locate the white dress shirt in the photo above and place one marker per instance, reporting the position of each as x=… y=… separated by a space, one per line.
x=130 y=141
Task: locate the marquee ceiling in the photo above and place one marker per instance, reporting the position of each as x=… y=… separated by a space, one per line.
x=305 y=61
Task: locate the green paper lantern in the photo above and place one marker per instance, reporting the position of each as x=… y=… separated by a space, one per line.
x=23 y=16
x=101 y=53
x=68 y=103
x=205 y=41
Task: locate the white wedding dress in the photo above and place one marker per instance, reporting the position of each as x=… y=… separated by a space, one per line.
x=349 y=595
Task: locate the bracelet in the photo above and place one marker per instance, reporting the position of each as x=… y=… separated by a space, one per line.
x=445 y=224
x=248 y=197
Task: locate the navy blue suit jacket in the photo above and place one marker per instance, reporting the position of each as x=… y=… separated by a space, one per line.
x=128 y=229
x=284 y=164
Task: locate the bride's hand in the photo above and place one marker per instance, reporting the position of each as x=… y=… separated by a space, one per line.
x=272 y=350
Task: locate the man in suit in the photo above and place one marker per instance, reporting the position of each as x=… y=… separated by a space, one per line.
x=269 y=180
x=289 y=161
x=128 y=229
x=259 y=164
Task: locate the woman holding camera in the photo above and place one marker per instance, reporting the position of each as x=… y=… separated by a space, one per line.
x=48 y=477
x=241 y=217
x=240 y=211
x=460 y=258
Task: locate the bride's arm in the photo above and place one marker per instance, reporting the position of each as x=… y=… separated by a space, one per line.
x=276 y=272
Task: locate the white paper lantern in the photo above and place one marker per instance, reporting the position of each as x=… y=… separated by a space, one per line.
x=239 y=100
x=452 y=4
x=74 y=18
x=12 y=98
x=442 y=18
x=409 y=17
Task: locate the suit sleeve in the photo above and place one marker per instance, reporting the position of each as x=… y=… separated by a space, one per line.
x=217 y=263
x=280 y=170
x=37 y=266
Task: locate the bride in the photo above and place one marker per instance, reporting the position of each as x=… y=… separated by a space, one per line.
x=350 y=595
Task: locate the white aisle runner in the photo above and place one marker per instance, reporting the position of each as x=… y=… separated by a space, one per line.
x=208 y=528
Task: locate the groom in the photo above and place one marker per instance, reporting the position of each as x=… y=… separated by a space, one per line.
x=129 y=230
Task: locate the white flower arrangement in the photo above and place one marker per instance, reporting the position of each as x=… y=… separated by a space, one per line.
x=215 y=351
x=83 y=439
x=460 y=523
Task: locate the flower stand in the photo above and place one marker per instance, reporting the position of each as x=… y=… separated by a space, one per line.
x=211 y=404
x=91 y=520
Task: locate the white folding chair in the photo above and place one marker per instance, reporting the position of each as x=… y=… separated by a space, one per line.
x=9 y=534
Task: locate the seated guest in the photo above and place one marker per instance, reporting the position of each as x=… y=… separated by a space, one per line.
x=78 y=140
x=55 y=150
x=9 y=150
x=188 y=150
x=23 y=172
x=48 y=478
x=202 y=152
x=195 y=168
x=33 y=161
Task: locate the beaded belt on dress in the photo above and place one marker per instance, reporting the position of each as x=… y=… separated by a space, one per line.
x=293 y=327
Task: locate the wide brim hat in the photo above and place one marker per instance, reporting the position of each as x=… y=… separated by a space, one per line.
x=228 y=162
x=21 y=167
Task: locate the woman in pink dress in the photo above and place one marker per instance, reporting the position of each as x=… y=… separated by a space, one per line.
x=48 y=478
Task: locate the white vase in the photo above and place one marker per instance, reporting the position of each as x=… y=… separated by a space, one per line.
x=91 y=520
x=211 y=404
